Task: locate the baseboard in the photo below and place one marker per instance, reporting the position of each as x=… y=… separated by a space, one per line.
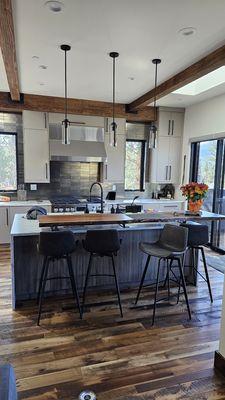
x=219 y=363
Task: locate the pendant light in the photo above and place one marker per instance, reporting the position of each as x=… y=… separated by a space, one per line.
x=153 y=127
x=66 y=123
x=113 y=55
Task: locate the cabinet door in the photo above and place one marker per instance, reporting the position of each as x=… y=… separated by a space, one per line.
x=162 y=173
x=177 y=124
x=165 y=123
x=4 y=225
x=36 y=156
x=174 y=160
x=114 y=168
x=35 y=120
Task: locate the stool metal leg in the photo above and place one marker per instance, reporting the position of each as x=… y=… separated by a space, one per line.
x=142 y=278
x=156 y=292
x=73 y=284
x=86 y=281
x=168 y=264
x=194 y=265
x=43 y=290
x=206 y=273
x=41 y=279
x=117 y=285
x=184 y=286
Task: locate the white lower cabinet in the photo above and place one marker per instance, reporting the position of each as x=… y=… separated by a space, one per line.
x=4 y=225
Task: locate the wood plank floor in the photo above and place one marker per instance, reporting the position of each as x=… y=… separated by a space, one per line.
x=117 y=358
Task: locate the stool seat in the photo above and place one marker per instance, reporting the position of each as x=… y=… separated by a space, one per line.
x=198 y=234
x=56 y=244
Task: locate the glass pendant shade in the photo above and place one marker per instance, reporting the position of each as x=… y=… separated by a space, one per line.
x=112 y=134
x=65 y=132
x=152 y=141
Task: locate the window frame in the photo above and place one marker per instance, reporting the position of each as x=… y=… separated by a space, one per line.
x=17 y=175
x=142 y=166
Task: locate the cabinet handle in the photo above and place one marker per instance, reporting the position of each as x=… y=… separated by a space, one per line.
x=7 y=217
x=173 y=206
x=184 y=168
x=46 y=170
x=45 y=120
x=166 y=172
x=170 y=173
x=172 y=126
x=169 y=127
x=106 y=171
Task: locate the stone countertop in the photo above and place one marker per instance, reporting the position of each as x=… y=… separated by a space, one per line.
x=25 y=203
x=142 y=201
x=24 y=227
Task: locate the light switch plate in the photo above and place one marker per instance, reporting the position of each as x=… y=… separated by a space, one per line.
x=33 y=186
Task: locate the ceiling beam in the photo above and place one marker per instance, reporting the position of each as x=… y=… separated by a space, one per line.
x=200 y=68
x=75 y=106
x=8 y=47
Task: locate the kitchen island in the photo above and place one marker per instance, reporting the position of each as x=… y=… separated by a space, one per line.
x=26 y=262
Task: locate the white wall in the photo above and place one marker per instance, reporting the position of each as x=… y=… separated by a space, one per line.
x=204 y=120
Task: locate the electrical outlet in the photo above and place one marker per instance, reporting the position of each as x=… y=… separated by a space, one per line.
x=33 y=186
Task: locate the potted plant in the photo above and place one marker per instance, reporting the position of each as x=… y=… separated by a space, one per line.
x=195 y=193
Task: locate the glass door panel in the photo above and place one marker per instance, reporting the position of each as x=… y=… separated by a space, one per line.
x=206 y=169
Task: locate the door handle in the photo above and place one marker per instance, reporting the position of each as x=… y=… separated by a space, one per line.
x=169 y=127
x=184 y=168
x=166 y=172
x=172 y=126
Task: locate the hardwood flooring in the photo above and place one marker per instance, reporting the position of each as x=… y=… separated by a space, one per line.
x=119 y=359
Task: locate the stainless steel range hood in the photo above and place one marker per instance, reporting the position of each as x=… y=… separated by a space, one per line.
x=87 y=144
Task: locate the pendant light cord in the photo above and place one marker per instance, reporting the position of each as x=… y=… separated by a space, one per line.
x=114 y=90
x=156 y=76
x=66 y=105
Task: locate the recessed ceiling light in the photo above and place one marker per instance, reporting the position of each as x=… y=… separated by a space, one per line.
x=43 y=66
x=35 y=58
x=41 y=83
x=54 y=6
x=190 y=30
x=131 y=78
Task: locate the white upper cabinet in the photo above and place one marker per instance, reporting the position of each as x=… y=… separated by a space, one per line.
x=36 y=155
x=35 y=120
x=36 y=147
x=114 y=167
x=171 y=123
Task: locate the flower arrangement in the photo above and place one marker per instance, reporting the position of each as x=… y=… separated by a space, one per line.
x=195 y=193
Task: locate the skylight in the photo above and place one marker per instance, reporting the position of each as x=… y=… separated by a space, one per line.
x=207 y=82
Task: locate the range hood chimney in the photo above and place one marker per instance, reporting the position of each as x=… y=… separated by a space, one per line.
x=86 y=144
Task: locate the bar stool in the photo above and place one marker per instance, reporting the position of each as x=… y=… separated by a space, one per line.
x=171 y=246
x=54 y=246
x=198 y=236
x=102 y=243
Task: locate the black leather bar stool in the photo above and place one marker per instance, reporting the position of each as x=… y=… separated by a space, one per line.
x=198 y=236
x=102 y=243
x=54 y=246
x=171 y=246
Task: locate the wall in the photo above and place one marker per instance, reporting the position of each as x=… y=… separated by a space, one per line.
x=204 y=120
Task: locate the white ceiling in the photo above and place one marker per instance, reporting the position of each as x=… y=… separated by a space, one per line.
x=138 y=29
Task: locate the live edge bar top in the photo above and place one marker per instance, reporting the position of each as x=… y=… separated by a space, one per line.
x=98 y=219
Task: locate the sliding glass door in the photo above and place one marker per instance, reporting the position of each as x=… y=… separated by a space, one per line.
x=207 y=165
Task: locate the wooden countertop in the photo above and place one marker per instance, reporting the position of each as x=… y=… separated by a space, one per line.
x=83 y=219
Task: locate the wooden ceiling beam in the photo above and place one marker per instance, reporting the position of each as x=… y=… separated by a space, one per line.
x=200 y=68
x=75 y=106
x=8 y=47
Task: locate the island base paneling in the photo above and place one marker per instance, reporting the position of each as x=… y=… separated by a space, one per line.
x=130 y=261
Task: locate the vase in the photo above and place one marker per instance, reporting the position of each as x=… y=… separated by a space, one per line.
x=195 y=206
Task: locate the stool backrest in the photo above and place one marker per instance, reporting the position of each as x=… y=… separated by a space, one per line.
x=105 y=241
x=56 y=244
x=174 y=237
